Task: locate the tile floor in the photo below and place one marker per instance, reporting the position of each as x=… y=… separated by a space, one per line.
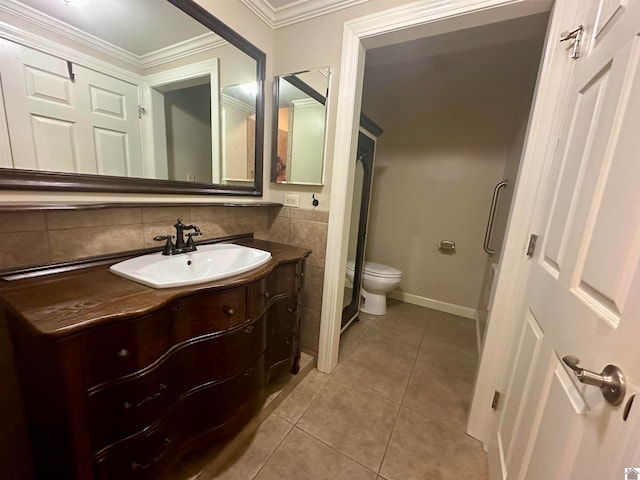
x=394 y=409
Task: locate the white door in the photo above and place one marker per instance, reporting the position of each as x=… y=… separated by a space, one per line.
x=109 y=109
x=84 y=124
x=583 y=294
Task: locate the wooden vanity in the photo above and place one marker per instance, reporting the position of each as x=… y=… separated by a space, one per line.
x=119 y=379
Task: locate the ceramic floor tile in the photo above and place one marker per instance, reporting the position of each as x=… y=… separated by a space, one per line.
x=251 y=457
x=453 y=329
x=438 y=397
x=292 y=408
x=355 y=422
x=353 y=335
x=421 y=448
x=383 y=369
x=456 y=363
x=303 y=457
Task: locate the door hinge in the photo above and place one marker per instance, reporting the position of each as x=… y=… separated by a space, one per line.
x=141 y=111
x=576 y=35
x=496 y=400
x=532 y=245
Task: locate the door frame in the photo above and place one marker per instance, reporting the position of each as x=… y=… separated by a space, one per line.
x=417 y=20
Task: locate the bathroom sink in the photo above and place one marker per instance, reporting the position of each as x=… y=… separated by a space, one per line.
x=208 y=263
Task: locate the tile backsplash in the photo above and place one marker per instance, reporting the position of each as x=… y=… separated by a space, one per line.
x=40 y=237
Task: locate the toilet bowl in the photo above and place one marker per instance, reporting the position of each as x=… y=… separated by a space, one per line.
x=377 y=280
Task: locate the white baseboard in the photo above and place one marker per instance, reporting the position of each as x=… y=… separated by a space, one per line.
x=459 y=310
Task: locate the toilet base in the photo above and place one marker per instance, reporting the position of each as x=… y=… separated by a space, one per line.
x=373 y=303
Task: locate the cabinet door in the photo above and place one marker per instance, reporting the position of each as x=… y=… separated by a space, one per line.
x=66 y=118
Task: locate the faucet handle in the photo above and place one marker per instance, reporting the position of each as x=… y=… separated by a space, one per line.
x=168 y=246
x=190 y=236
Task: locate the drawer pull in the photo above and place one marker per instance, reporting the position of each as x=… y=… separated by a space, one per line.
x=230 y=312
x=287 y=342
x=123 y=353
x=149 y=398
x=249 y=329
x=295 y=311
x=266 y=295
x=143 y=466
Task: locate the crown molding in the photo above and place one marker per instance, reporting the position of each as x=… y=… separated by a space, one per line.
x=297 y=11
x=199 y=44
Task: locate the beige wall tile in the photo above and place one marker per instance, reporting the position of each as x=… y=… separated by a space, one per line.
x=22 y=221
x=311 y=215
x=279 y=230
x=87 y=242
x=220 y=228
x=255 y=224
x=211 y=214
x=93 y=218
x=313 y=286
x=166 y=214
x=24 y=249
x=312 y=235
x=309 y=331
x=283 y=211
x=251 y=211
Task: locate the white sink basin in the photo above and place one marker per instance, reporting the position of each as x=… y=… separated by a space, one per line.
x=209 y=262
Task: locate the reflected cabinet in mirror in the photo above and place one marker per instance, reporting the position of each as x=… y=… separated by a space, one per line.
x=299 y=126
x=154 y=96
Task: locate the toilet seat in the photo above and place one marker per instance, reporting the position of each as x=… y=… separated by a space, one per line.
x=381 y=271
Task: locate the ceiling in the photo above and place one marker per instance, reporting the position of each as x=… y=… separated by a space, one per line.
x=139 y=27
x=280 y=13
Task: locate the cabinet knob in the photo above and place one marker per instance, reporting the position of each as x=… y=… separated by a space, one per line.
x=177 y=307
x=123 y=353
x=230 y=312
x=266 y=295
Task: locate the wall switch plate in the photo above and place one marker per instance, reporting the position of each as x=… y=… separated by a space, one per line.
x=291 y=200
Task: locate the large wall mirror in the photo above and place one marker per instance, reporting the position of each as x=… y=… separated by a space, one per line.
x=299 y=127
x=148 y=96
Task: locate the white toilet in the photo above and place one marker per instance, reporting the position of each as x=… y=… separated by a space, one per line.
x=377 y=280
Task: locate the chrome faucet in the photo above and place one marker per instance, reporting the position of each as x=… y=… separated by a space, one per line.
x=180 y=246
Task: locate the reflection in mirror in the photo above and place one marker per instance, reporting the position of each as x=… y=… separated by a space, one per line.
x=137 y=89
x=299 y=126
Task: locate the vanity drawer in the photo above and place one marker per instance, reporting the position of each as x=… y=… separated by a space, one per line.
x=138 y=400
x=211 y=409
x=117 y=350
x=282 y=325
x=283 y=280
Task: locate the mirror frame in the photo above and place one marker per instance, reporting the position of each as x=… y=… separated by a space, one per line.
x=302 y=86
x=18 y=179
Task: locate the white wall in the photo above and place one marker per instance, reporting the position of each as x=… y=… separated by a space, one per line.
x=449 y=122
x=188 y=121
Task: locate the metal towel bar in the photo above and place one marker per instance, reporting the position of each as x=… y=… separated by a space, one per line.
x=492 y=217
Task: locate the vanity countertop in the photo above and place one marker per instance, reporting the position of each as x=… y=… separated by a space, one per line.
x=61 y=304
